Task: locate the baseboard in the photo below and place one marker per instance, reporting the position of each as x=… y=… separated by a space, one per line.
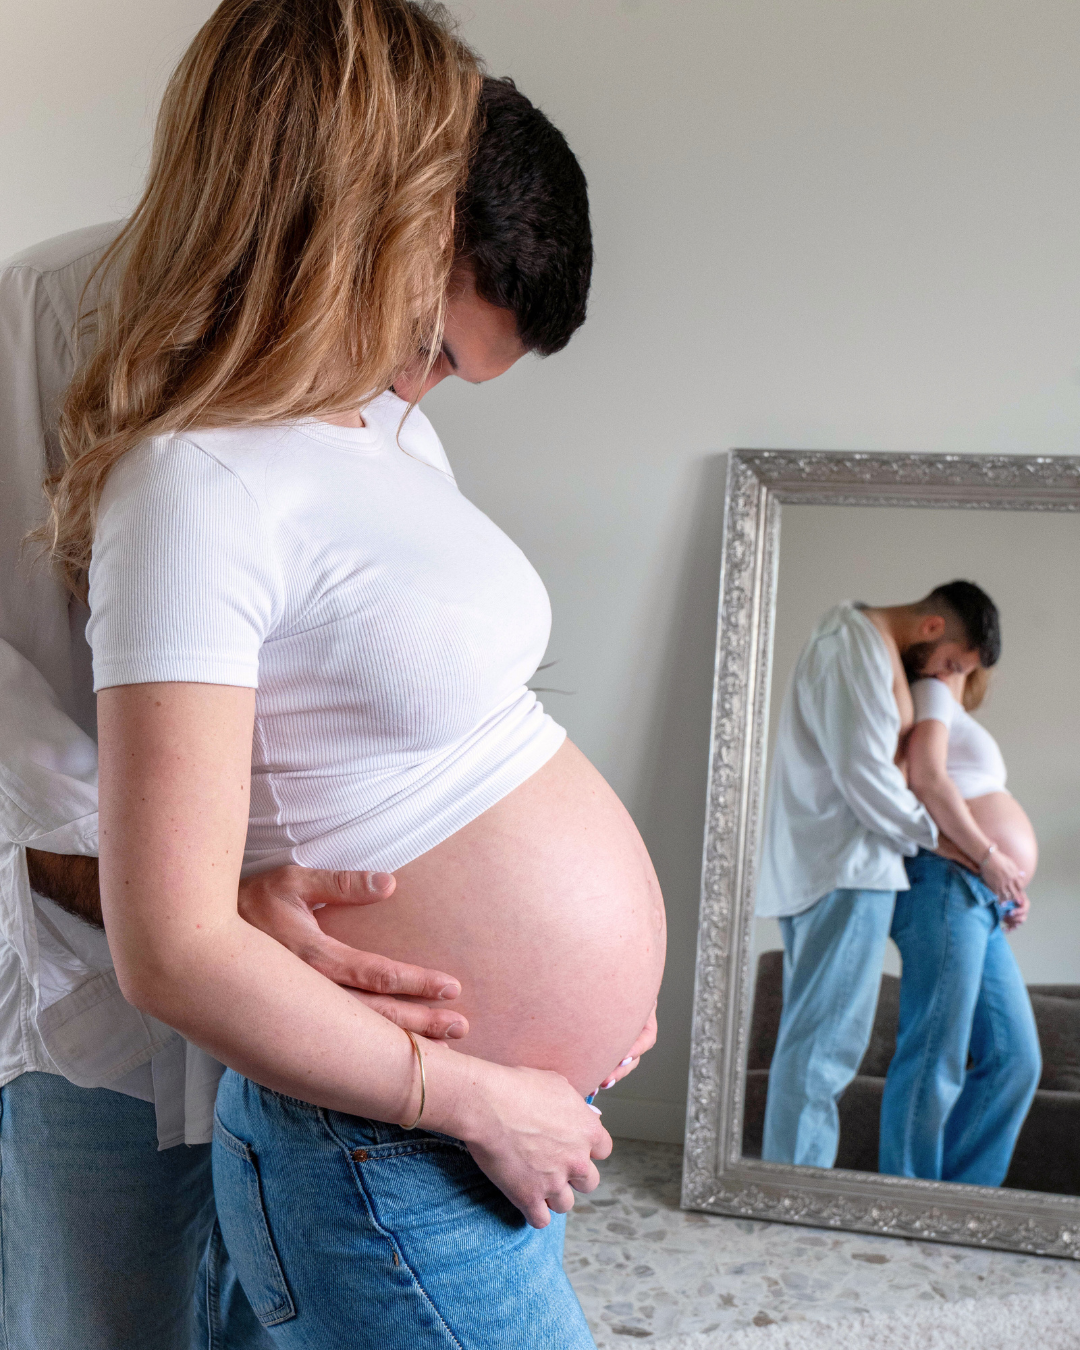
x=639 y=1118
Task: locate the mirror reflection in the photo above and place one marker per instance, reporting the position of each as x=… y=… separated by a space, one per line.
x=917 y=948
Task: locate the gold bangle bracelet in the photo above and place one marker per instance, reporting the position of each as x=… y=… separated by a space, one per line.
x=423 y=1080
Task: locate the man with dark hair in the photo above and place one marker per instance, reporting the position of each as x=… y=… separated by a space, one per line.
x=523 y=248
x=105 y=1115
x=523 y=220
x=971 y=611
x=840 y=820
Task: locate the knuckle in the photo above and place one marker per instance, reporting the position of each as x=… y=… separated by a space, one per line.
x=393 y=1012
x=384 y=979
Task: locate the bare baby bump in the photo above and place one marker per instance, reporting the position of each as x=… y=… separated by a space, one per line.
x=548 y=911
x=1000 y=815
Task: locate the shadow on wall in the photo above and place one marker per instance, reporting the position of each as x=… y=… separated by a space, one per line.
x=670 y=811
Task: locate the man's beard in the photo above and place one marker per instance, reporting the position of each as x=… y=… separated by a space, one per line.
x=915 y=659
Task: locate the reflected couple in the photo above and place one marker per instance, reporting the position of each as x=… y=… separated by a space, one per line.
x=888 y=815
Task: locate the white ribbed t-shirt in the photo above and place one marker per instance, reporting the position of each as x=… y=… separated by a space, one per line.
x=388 y=626
x=973 y=760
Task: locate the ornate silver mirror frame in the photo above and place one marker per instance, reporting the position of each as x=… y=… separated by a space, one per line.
x=716 y=1177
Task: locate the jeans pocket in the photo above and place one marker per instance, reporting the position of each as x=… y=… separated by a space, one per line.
x=242 y=1215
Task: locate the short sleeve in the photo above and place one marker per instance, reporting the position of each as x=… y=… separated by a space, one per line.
x=933 y=702
x=183 y=583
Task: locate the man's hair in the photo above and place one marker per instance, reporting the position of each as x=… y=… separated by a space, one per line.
x=977 y=614
x=522 y=220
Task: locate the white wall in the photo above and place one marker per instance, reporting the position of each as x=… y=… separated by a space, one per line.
x=819 y=224
x=79 y=88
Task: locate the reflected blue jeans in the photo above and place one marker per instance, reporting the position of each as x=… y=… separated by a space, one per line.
x=102 y=1236
x=833 y=955
x=967 y=1059
x=350 y=1233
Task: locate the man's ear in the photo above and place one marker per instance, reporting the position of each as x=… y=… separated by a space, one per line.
x=932 y=628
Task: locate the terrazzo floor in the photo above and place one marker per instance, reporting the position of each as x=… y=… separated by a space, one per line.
x=644 y=1269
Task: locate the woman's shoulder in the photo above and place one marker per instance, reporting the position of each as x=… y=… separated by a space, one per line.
x=415 y=435
x=934 y=702
x=208 y=464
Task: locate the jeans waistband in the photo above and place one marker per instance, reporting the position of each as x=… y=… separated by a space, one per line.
x=980 y=891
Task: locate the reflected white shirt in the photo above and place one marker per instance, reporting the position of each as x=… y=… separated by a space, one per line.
x=973 y=760
x=839 y=814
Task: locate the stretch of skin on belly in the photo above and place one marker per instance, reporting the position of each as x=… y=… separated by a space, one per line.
x=546 y=908
x=1015 y=838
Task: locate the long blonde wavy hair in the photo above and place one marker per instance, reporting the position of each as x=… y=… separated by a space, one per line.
x=290 y=253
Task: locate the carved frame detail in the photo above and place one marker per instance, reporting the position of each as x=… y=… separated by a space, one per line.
x=716 y=1177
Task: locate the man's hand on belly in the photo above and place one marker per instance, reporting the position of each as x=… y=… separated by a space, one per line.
x=282 y=903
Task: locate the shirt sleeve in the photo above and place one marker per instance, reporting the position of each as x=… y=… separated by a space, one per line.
x=48 y=765
x=850 y=710
x=933 y=702
x=183 y=581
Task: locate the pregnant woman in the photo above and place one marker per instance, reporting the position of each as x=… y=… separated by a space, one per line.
x=967 y=1059
x=310 y=647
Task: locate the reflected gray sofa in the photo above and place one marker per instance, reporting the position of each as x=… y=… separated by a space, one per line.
x=1047 y=1156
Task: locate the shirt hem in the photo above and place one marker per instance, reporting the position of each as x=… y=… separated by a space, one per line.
x=191 y=670
x=362 y=844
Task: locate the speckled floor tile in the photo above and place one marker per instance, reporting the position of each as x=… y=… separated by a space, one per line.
x=645 y=1269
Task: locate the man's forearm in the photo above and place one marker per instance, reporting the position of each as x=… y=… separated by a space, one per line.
x=70 y=881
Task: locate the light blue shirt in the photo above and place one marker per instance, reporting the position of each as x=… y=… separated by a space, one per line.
x=839 y=814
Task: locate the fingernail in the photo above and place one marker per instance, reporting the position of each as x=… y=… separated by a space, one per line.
x=624 y=1062
x=456 y=1030
x=449 y=991
x=380 y=880
x=608 y=1083
x=594 y=1108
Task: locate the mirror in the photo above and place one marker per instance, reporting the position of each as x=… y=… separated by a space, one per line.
x=873 y=1047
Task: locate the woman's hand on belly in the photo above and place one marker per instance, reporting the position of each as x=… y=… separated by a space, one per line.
x=1013 y=918
x=534 y=1137
x=641 y=1046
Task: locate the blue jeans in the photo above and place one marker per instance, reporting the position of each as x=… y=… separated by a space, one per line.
x=967 y=1059
x=101 y=1236
x=833 y=955
x=354 y=1234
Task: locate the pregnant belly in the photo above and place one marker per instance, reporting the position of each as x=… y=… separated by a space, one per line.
x=1000 y=815
x=547 y=909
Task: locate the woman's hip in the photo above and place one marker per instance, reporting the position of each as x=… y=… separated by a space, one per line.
x=943 y=896
x=354 y=1232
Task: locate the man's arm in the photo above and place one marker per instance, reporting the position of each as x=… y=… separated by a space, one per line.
x=69 y=881
x=851 y=713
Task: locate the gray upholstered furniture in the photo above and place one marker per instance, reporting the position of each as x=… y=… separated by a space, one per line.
x=1047 y=1156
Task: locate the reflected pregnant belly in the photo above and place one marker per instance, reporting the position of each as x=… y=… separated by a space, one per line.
x=1000 y=815
x=547 y=909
